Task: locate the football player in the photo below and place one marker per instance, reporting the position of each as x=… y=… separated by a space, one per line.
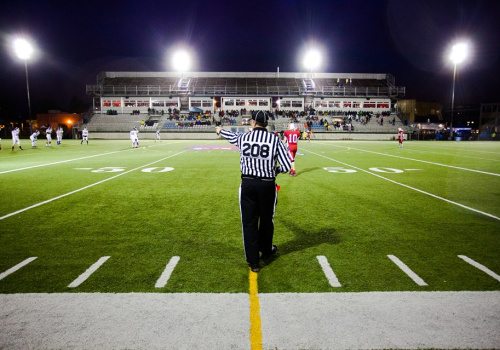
x=48 y=134
x=401 y=137
x=292 y=136
x=85 y=135
x=59 y=135
x=15 y=138
x=134 y=137
x=34 y=138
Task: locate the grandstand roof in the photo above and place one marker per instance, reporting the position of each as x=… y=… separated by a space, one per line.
x=233 y=83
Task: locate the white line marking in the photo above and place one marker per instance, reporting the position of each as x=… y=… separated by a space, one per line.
x=452 y=155
x=89 y=272
x=454 y=149
x=61 y=162
x=165 y=276
x=411 y=188
x=424 y=161
x=17 y=267
x=480 y=267
x=327 y=269
x=71 y=160
x=407 y=270
x=84 y=188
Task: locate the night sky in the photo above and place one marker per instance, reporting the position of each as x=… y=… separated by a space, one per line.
x=409 y=39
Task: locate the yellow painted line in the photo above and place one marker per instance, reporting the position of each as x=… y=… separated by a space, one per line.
x=255 y=324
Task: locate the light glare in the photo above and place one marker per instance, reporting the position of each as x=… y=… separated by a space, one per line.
x=23 y=49
x=312 y=59
x=458 y=53
x=181 y=61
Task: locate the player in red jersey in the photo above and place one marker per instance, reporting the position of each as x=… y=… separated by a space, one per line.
x=401 y=137
x=292 y=136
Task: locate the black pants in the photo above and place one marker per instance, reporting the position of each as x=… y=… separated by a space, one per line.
x=257 y=204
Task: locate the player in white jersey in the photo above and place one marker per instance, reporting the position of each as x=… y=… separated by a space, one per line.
x=158 y=137
x=134 y=137
x=34 y=138
x=48 y=134
x=15 y=138
x=85 y=135
x=59 y=135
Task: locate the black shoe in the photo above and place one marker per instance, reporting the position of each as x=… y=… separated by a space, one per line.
x=254 y=267
x=273 y=252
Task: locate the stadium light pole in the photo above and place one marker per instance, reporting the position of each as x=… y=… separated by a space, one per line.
x=181 y=62
x=312 y=62
x=24 y=50
x=458 y=55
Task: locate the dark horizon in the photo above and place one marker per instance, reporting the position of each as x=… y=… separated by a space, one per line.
x=408 y=39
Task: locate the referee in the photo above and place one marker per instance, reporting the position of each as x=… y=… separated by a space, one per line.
x=260 y=154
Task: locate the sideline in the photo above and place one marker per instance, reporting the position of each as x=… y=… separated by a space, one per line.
x=409 y=187
x=370 y=320
x=85 y=187
x=417 y=160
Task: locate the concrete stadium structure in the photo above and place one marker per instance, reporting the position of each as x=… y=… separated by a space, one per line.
x=187 y=105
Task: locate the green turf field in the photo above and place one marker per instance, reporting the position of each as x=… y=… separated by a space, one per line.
x=355 y=203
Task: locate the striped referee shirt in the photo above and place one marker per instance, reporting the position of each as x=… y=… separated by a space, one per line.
x=260 y=153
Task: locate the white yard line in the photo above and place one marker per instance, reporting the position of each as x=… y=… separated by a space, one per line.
x=61 y=162
x=407 y=270
x=410 y=187
x=480 y=267
x=83 y=277
x=85 y=187
x=328 y=271
x=422 y=161
x=165 y=276
x=422 y=145
x=15 y=268
x=74 y=159
x=450 y=155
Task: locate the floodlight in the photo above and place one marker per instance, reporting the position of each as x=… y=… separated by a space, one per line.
x=458 y=53
x=181 y=61
x=23 y=49
x=312 y=60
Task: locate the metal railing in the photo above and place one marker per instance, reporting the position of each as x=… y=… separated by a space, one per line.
x=169 y=90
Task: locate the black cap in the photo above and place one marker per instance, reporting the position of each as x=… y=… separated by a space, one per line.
x=261 y=117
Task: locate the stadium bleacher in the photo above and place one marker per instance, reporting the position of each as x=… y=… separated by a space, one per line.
x=178 y=91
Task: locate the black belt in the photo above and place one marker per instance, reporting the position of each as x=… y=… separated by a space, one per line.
x=251 y=177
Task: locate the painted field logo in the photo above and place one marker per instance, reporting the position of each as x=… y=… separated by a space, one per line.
x=212 y=148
